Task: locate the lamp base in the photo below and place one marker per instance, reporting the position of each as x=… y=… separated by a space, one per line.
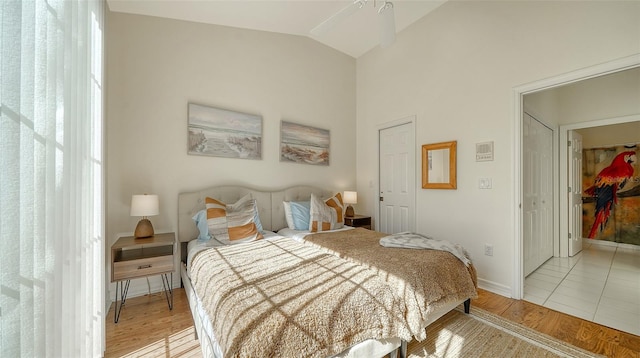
x=143 y=229
x=349 y=212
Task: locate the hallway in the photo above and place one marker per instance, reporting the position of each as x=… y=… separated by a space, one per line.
x=600 y=284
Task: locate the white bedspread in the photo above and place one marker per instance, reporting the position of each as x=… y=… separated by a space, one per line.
x=195 y=246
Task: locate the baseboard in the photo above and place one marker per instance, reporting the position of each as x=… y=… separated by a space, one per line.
x=494 y=287
x=586 y=241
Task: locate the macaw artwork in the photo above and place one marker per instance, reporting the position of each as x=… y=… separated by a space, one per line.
x=611 y=199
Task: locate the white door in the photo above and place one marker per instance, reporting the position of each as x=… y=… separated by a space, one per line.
x=397 y=179
x=538 y=193
x=574 y=176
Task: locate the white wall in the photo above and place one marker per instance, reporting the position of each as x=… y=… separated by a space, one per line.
x=155 y=67
x=544 y=106
x=605 y=97
x=456 y=70
x=609 y=96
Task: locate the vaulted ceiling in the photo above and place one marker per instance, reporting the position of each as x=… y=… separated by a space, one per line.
x=354 y=35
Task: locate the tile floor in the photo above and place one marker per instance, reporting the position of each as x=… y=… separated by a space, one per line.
x=600 y=284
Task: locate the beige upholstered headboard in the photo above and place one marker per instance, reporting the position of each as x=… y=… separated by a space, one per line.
x=270 y=206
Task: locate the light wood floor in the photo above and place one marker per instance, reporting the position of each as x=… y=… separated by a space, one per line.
x=584 y=334
x=148 y=329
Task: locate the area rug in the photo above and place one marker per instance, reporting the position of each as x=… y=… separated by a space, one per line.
x=483 y=334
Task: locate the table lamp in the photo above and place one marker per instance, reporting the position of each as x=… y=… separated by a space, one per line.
x=144 y=205
x=350 y=197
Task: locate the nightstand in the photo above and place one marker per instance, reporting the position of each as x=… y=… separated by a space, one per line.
x=134 y=258
x=358 y=221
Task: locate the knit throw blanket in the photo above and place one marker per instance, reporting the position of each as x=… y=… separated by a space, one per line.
x=410 y=240
x=424 y=280
x=281 y=298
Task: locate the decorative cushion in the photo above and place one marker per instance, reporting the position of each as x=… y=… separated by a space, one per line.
x=326 y=215
x=336 y=203
x=216 y=217
x=300 y=212
x=200 y=218
x=232 y=223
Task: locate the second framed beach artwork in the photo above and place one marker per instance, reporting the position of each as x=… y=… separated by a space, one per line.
x=223 y=133
x=304 y=144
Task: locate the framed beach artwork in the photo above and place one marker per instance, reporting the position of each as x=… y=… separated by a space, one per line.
x=304 y=144
x=222 y=133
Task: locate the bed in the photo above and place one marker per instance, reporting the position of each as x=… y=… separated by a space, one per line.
x=307 y=251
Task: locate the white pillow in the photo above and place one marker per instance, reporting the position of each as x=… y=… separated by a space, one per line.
x=287 y=215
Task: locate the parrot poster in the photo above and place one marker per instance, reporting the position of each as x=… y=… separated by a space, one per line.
x=607 y=186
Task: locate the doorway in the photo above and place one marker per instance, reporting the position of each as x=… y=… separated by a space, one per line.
x=572 y=269
x=561 y=245
x=598 y=283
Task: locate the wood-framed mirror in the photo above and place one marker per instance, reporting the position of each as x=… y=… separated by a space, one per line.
x=439 y=165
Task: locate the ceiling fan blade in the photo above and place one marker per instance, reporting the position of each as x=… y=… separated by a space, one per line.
x=387 y=24
x=338 y=17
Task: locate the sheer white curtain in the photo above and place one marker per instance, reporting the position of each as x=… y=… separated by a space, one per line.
x=51 y=175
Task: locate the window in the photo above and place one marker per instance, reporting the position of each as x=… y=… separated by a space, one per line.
x=51 y=179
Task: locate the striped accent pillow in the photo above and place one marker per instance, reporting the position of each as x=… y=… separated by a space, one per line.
x=232 y=223
x=326 y=215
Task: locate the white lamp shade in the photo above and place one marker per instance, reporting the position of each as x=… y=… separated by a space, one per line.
x=144 y=205
x=350 y=197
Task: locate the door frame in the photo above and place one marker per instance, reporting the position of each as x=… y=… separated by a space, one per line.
x=564 y=165
x=411 y=120
x=517 y=288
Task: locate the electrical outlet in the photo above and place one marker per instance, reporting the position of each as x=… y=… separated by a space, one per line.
x=488 y=250
x=484 y=183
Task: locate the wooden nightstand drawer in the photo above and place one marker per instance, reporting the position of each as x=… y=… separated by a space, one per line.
x=142 y=267
x=133 y=258
x=358 y=221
